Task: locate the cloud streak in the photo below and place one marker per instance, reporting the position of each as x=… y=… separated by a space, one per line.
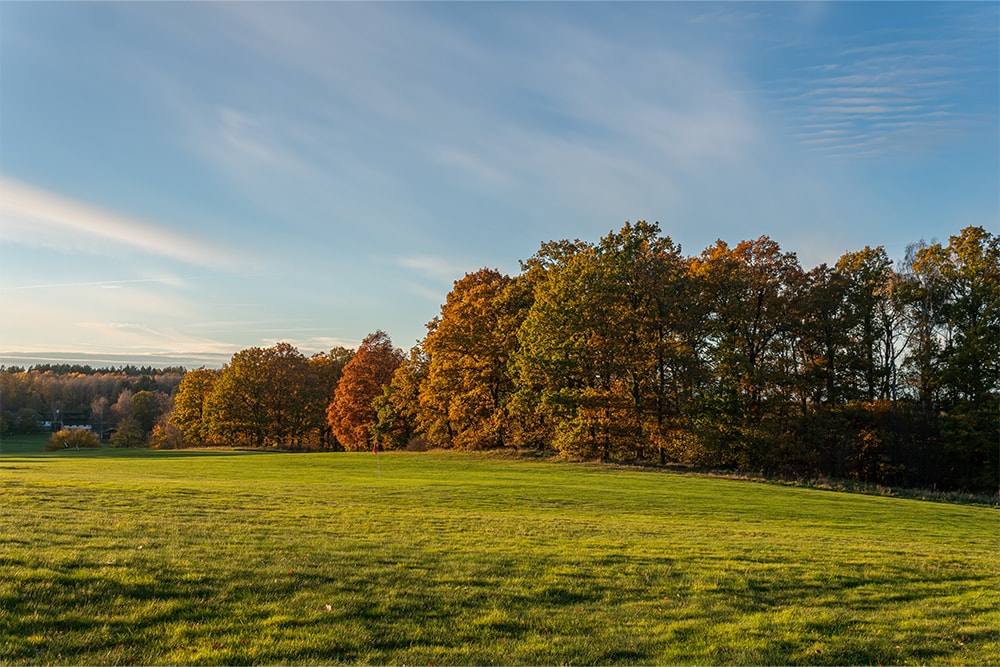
x=105 y=284
x=413 y=113
x=888 y=98
x=28 y=214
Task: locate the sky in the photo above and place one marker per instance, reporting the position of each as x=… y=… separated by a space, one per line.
x=180 y=181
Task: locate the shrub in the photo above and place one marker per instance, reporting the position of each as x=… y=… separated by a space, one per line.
x=129 y=434
x=166 y=436
x=72 y=438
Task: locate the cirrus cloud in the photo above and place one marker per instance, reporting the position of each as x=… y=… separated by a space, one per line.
x=34 y=216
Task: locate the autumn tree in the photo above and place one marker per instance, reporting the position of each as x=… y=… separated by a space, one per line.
x=72 y=438
x=352 y=412
x=604 y=349
x=872 y=318
x=264 y=397
x=189 y=404
x=144 y=409
x=956 y=303
x=99 y=409
x=467 y=385
x=122 y=408
x=627 y=349
x=397 y=409
x=327 y=369
x=128 y=434
x=749 y=289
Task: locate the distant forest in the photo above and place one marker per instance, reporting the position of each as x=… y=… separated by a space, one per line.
x=625 y=350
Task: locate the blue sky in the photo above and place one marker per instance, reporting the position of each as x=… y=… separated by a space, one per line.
x=179 y=181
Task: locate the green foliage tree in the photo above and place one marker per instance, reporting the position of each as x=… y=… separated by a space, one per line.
x=397 y=410
x=968 y=372
x=144 y=409
x=821 y=339
x=327 y=369
x=921 y=295
x=970 y=270
x=555 y=360
x=529 y=407
x=873 y=325
x=750 y=290
x=294 y=403
x=607 y=349
x=145 y=383
x=750 y=287
x=236 y=410
x=652 y=331
x=26 y=420
x=128 y=434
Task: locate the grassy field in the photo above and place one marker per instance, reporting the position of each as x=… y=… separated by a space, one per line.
x=111 y=557
x=23 y=444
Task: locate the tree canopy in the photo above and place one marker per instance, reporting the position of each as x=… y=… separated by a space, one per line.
x=737 y=357
x=626 y=349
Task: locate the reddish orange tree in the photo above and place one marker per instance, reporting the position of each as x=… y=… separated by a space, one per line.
x=352 y=412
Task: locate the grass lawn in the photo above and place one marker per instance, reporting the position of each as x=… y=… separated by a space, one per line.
x=122 y=557
x=32 y=443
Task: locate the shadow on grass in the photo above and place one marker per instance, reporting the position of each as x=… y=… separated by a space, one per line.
x=93 y=612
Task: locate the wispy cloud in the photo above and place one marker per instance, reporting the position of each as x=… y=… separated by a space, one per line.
x=437 y=268
x=312 y=345
x=32 y=215
x=97 y=337
x=427 y=293
x=105 y=284
x=45 y=356
x=424 y=107
x=430 y=278
x=893 y=97
x=376 y=152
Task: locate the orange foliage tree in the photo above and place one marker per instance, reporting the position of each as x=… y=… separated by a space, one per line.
x=352 y=412
x=467 y=384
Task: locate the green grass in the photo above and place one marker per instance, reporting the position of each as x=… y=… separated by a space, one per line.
x=31 y=443
x=111 y=557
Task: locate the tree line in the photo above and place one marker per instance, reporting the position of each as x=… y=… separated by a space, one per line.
x=127 y=402
x=626 y=349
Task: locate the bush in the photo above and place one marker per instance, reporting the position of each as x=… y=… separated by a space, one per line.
x=166 y=436
x=129 y=434
x=72 y=438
